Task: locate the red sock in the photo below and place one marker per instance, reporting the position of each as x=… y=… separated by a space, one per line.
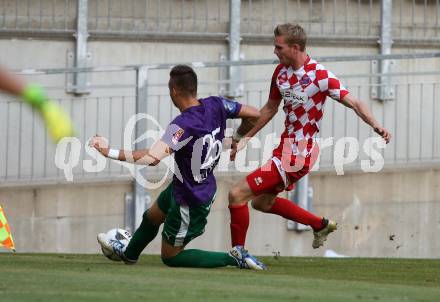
x=239 y=223
x=291 y=211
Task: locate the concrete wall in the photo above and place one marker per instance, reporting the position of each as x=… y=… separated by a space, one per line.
x=62 y=218
x=392 y=214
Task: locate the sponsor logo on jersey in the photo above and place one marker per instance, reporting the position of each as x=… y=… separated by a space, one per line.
x=299 y=98
x=282 y=78
x=177 y=136
x=258 y=180
x=295 y=97
x=230 y=106
x=305 y=81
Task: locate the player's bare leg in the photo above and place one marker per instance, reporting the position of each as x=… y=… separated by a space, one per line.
x=240 y=193
x=270 y=203
x=264 y=202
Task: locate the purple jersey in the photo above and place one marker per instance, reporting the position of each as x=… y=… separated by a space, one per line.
x=196 y=137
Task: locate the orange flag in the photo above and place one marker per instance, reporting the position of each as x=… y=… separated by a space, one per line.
x=5 y=232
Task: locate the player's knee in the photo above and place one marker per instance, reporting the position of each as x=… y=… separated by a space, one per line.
x=257 y=206
x=150 y=220
x=145 y=215
x=234 y=195
x=168 y=261
x=154 y=216
x=254 y=205
x=262 y=206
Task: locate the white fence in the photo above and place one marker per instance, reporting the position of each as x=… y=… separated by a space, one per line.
x=349 y=19
x=28 y=156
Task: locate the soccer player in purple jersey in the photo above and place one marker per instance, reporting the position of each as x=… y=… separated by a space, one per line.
x=195 y=137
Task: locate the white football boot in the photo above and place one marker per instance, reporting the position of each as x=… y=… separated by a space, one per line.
x=320 y=236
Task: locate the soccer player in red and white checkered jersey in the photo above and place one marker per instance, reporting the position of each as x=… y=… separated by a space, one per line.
x=304 y=85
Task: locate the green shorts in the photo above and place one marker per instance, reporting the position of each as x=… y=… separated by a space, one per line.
x=183 y=223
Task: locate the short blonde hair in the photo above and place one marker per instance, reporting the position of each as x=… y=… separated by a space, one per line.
x=292 y=33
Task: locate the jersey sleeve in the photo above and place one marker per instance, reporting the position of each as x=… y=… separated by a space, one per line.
x=176 y=134
x=232 y=108
x=330 y=84
x=274 y=93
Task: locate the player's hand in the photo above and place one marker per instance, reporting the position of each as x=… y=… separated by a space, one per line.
x=238 y=146
x=384 y=133
x=58 y=122
x=234 y=150
x=99 y=143
x=230 y=143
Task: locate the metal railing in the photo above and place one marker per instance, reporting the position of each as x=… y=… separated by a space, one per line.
x=38 y=16
x=27 y=155
x=416 y=19
x=178 y=16
x=413 y=20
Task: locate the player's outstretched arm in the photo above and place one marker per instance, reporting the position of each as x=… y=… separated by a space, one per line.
x=249 y=116
x=365 y=114
x=250 y=127
x=57 y=121
x=248 y=113
x=150 y=157
x=11 y=83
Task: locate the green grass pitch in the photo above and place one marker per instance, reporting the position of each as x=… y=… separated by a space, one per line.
x=71 y=277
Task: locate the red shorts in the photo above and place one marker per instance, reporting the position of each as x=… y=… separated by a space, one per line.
x=272 y=178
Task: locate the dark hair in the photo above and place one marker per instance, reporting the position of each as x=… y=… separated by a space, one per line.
x=184 y=79
x=292 y=33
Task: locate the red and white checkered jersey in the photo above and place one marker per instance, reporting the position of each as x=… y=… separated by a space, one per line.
x=304 y=92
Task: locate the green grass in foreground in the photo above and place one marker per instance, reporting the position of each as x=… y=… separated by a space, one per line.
x=60 y=277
